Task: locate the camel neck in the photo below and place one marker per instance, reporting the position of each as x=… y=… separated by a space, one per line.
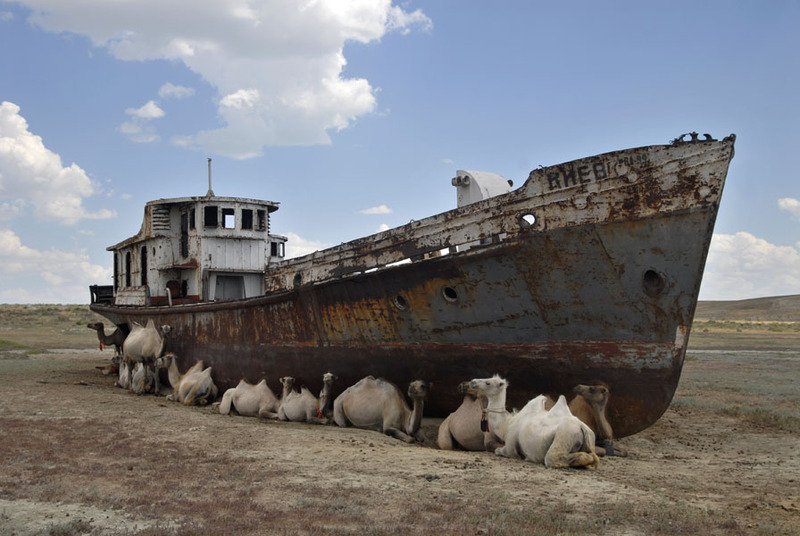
x=415 y=418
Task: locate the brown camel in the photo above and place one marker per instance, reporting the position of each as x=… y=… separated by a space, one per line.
x=302 y=406
x=376 y=404
x=326 y=396
x=250 y=400
x=116 y=339
x=463 y=427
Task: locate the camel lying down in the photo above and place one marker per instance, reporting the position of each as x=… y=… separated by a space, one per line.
x=462 y=428
x=194 y=387
x=250 y=400
x=556 y=437
x=589 y=405
x=377 y=404
x=304 y=406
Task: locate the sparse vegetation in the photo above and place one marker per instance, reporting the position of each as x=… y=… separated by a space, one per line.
x=715 y=464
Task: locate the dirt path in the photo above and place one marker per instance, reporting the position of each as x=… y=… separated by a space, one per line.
x=81 y=456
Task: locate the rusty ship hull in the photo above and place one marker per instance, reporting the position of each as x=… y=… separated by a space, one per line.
x=590 y=271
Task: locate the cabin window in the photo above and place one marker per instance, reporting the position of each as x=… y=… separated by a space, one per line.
x=229 y=287
x=128 y=269
x=228 y=219
x=185 y=234
x=247 y=218
x=143 y=261
x=191 y=219
x=262 y=220
x=210 y=216
x=277 y=249
x=116 y=271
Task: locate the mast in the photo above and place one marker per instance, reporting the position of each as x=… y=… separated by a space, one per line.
x=210 y=191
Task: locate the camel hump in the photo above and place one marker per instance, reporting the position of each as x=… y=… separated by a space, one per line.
x=561 y=407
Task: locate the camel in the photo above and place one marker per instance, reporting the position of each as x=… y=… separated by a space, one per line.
x=123 y=381
x=589 y=405
x=143 y=378
x=302 y=406
x=556 y=437
x=376 y=404
x=116 y=338
x=463 y=428
x=250 y=400
x=145 y=345
x=194 y=387
x=325 y=398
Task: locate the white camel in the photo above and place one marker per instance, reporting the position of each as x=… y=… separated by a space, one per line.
x=304 y=406
x=379 y=405
x=144 y=344
x=194 y=387
x=555 y=437
x=250 y=400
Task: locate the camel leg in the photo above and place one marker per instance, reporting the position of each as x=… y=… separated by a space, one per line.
x=399 y=434
x=338 y=414
x=157 y=388
x=227 y=399
x=445 y=439
x=265 y=413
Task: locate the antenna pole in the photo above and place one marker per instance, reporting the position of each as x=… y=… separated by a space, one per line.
x=210 y=191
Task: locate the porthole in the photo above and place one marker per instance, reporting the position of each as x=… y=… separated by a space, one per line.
x=527 y=220
x=450 y=294
x=653 y=282
x=400 y=302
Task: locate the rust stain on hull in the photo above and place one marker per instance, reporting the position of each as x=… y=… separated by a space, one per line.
x=599 y=284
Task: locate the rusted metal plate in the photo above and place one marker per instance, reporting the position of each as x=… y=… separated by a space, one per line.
x=601 y=284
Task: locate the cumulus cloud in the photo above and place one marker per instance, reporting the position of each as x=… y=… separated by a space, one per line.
x=63 y=276
x=297 y=246
x=150 y=110
x=792 y=206
x=171 y=91
x=277 y=66
x=32 y=175
x=381 y=209
x=742 y=266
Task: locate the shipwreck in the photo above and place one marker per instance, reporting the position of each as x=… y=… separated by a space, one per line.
x=588 y=271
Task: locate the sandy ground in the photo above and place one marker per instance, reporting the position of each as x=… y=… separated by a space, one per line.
x=82 y=456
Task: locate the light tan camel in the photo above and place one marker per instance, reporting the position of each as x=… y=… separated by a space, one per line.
x=298 y=407
x=250 y=400
x=144 y=379
x=144 y=345
x=116 y=339
x=589 y=405
x=555 y=438
x=194 y=387
x=376 y=404
x=463 y=428
x=326 y=396
x=122 y=380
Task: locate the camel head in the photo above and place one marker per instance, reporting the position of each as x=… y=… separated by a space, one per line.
x=465 y=389
x=419 y=389
x=328 y=378
x=489 y=386
x=287 y=382
x=596 y=394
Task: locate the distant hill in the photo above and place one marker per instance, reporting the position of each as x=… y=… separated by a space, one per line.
x=777 y=308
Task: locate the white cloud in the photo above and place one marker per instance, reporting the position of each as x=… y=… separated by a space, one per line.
x=792 y=206
x=150 y=110
x=58 y=276
x=297 y=246
x=383 y=227
x=742 y=266
x=290 y=53
x=6 y=16
x=32 y=175
x=171 y=91
x=381 y=209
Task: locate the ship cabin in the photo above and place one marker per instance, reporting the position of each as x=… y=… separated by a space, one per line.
x=194 y=249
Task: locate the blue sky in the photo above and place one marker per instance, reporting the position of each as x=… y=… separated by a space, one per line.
x=354 y=115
